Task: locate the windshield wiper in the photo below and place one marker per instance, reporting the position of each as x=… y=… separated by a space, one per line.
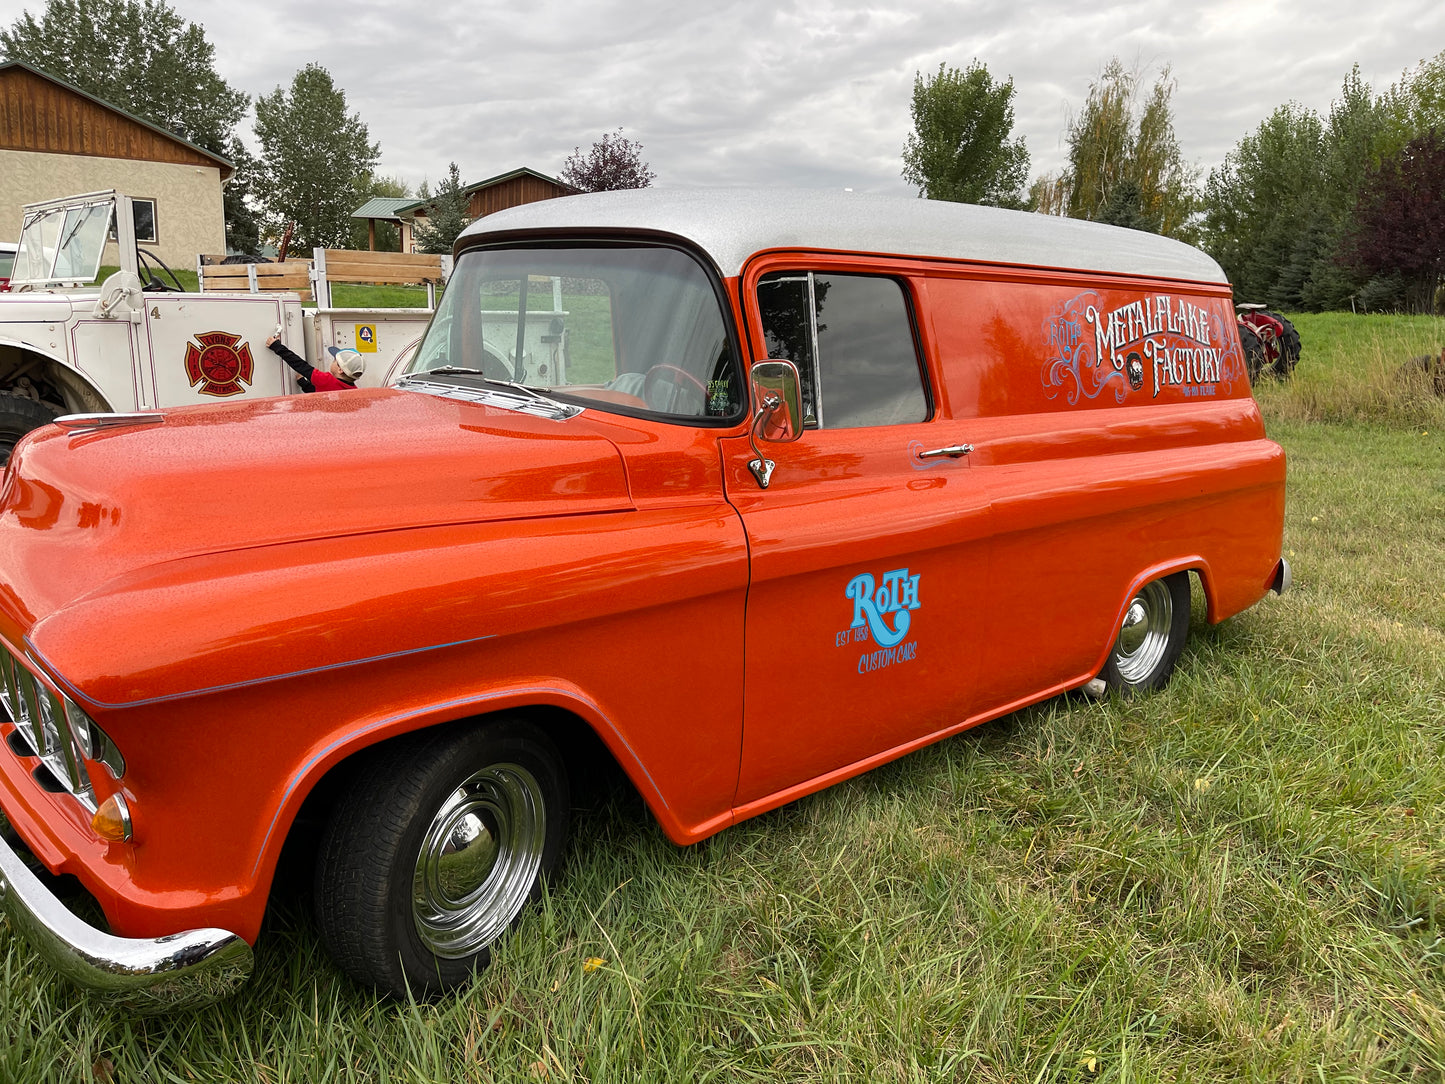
x=540 y=393
x=454 y=369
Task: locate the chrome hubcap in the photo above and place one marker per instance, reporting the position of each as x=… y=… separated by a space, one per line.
x=1144 y=637
x=479 y=859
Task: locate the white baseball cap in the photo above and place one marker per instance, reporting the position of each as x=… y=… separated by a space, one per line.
x=352 y=363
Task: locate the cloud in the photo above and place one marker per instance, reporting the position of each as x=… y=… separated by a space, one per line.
x=791 y=92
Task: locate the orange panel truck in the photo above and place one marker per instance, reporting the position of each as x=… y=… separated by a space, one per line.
x=783 y=486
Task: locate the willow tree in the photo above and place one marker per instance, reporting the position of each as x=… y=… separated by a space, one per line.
x=1114 y=139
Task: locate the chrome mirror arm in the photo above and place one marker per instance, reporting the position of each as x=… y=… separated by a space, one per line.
x=762 y=468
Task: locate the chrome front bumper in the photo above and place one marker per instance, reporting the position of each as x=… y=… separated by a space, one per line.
x=141 y=975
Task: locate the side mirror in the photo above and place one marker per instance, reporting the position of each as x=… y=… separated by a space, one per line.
x=777 y=390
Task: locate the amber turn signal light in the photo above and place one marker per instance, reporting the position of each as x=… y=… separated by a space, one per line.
x=112 y=819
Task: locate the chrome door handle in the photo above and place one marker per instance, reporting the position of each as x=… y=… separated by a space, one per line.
x=953 y=451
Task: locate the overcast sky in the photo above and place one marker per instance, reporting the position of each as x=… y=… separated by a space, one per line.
x=810 y=93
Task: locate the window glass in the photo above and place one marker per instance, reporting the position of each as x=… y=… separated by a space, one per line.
x=145 y=219
x=852 y=340
x=637 y=327
x=788 y=329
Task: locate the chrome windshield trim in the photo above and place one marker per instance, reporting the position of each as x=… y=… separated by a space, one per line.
x=523 y=402
x=138 y=974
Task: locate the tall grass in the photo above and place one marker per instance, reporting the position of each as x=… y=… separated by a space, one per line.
x=1355 y=369
x=1241 y=878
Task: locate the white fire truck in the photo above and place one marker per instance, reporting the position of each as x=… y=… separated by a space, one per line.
x=139 y=341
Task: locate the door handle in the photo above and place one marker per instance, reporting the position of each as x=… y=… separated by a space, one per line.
x=953 y=451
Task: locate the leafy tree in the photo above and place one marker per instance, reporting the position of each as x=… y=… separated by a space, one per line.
x=1112 y=140
x=960 y=148
x=143 y=57
x=243 y=224
x=613 y=162
x=1263 y=197
x=1277 y=212
x=313 y=152
x=1400 y=220
x=446 y=214
x=1414 y=105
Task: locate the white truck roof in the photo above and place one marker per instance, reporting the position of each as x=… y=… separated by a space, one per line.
x=732 y=224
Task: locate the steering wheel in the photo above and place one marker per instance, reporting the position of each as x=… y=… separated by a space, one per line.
x=679 y=379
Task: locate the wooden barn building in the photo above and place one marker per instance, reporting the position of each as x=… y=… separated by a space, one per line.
x=57 y=140
x=497 y=193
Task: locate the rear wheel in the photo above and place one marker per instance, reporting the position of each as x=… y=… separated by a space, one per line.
x=1254 y=356
x=435 y=848
x=1151 y=636
x=19 y=416
x=1289 y=346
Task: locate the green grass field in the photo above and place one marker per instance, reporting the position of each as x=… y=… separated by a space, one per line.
x=1242 y=878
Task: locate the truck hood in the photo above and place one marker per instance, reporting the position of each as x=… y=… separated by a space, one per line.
x=78 y=510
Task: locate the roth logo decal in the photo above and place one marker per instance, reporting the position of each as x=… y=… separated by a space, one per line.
x=874 y=603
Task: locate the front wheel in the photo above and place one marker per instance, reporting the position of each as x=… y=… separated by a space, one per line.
x=19 y=416
x=1151 y=637
x=434 y=850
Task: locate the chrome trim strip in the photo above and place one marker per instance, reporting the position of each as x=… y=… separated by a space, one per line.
x=76 y=695
x=79 y=425
x=140 y=975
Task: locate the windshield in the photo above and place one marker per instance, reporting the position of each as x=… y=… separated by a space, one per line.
x=63 y=244
x=637 y=328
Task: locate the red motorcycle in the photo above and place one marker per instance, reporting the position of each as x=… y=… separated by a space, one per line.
x=1271 y=343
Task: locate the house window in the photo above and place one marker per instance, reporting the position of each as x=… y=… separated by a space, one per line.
x=145 y=219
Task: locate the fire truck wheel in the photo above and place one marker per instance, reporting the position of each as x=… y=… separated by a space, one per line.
x=1289 y=346
x=1155 y=626
x=436 y=846
x=18 y=416
x=1254 y=358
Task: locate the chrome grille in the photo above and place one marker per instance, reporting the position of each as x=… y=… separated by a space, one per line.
x=42 y=720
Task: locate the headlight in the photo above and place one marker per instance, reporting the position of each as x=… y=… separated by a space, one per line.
x=56 y=730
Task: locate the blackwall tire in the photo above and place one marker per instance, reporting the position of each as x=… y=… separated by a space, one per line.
x=1155 y=626
x=1254 y=356
x=19 y=416
x=433 y=850
x=1289 y=347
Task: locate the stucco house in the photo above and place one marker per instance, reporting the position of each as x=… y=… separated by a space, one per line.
x=56 y=140
x=511 y=189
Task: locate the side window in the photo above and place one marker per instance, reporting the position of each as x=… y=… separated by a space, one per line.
x=852 y=340
x=145 y=219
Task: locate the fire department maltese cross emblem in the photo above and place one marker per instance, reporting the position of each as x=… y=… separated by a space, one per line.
x=217 y=362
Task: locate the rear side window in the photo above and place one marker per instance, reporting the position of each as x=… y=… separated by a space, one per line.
x=851 y=338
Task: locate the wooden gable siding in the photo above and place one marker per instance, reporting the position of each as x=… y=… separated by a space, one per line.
x=511 y=193
x=37 y=115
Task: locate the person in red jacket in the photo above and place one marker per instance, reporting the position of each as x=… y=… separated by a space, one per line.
x=345 y=369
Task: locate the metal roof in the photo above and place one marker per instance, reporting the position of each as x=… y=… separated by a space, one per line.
x=731 y=224
x=477 y=186
x=383 y=207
